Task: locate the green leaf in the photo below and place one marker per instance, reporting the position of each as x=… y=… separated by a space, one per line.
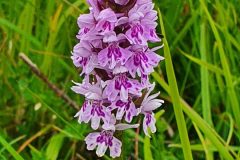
x=54 y=146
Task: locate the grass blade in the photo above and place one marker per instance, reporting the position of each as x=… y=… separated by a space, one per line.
x=227 y=74
x=205 y=92
x=175 y=97
x=203 y=64
x=10 y=149
x=210 y=133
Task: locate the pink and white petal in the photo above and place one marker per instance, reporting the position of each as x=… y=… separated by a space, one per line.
x=95 y=122
x=108 y=15
x=135 y=17
x=123 y=94
x=152 y=105
x=145 y=127
x=131 y=67
x=152 y=125
x=115 y=149
x=92 y=95
x=157 y=48
x=79 y=89
x=122 y=20
x=113 y=63
x=102 y=57
x=101 y=149
x=120 y=113
x=122 y=126
x=120 y=69
x=91 y=146
x=131 y=113
x=79 y=114
x=111 y=107
x=126 y=55
x=153 y=36
x=92 y=64
x=86 y=116
x=81 y=50
x=109 y=91
x=113 y=95
x=108 y=126
x=146 y=8
x=136 y=89
x=154 y=58
x=146 y=68
x=91 y=140
x=152 y=96
x=86 y=20
x=109 y=36
x=150 y=89
x=128 y=116
x=122 y=2
x=92 y=137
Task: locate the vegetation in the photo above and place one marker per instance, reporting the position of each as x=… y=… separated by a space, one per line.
x=199 y=81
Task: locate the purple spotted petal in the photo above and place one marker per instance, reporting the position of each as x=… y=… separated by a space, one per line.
x=102 y=141
x=125 y=108
x=90 y=91
x=95 y=111
x=143 y=62
x=123 y=86
x=115 y=148
x=149 y=122
x=113 y=55
x=106 y=20
x=135 y=35
x=91 y=140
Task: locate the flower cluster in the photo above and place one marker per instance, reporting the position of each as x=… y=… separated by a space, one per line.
x=116 y=61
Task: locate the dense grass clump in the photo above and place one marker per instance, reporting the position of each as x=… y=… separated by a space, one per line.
x=199 y=81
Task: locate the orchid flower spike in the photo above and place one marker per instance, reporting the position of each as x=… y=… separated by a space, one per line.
x=115 y=61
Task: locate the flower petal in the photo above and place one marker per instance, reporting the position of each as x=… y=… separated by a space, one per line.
x=122 y=126
x=115 y=149
x=101 y=149
x=91 y=140
x=95 y=122
x=102 y=57
x=123 y=94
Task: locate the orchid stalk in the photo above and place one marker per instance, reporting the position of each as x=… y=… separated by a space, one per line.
x=116 y=63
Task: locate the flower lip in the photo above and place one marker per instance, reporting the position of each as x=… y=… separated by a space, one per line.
x=114 y=51
x=122 y=81
x=113 y=55
x=105 y=137
x=97 y=109
x=149 y=119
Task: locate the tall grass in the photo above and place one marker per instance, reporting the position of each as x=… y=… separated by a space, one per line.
x=199 y=81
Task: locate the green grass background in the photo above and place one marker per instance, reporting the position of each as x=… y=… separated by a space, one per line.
x=199 y=81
